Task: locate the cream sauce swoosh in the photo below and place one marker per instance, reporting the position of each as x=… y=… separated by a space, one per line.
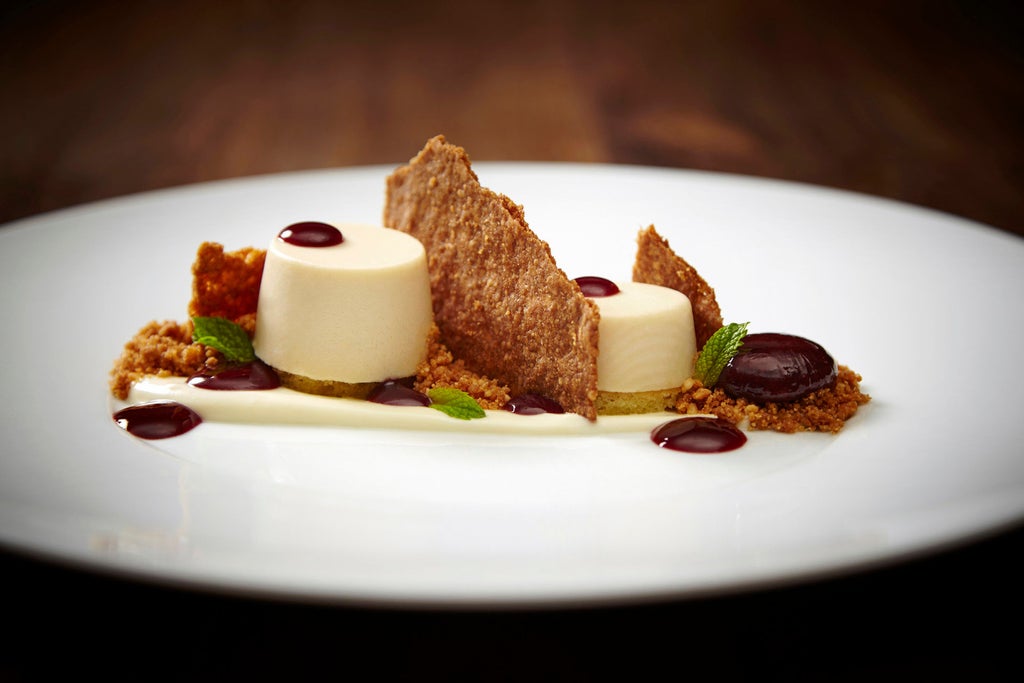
x=284 y=406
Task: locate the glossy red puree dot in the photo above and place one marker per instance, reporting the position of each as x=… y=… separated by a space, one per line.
x=533 y=404
x=311 y=234
x=254 y=376
x=594 y=286
x=698 y=434
x=776 y=367
x=397 y=392
x=157 y=420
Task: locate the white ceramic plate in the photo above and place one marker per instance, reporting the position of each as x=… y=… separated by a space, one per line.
x=925 y=306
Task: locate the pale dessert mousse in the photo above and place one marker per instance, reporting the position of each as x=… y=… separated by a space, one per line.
x=648 y=345
x=342 y=308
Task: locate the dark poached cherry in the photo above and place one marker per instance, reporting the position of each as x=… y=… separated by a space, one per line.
x=311 y=234
x=776 y=367
x=593 y=286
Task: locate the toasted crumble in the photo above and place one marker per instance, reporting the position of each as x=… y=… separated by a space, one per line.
x=164 y=349
x=826 y=410
x=441 y=369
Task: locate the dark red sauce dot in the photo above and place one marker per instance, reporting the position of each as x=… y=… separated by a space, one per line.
x=311 y=234
x=397 y=392
x=254 y=376
x=698 y=434
x=594 y=286
x=533 y=404
x=157 y=420
x=774 y=367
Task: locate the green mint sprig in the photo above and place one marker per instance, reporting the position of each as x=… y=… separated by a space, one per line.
x=455 y=403
x=718 y=350
x=225 y=336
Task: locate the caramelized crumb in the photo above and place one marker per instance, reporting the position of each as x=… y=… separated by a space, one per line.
x=226 y=284
x=160 y=348
x=440 y=369
x=823 y=411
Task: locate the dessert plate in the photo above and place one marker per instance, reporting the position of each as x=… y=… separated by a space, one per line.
x=920 y=303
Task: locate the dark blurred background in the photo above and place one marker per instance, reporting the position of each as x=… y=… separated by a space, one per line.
x=917 y=101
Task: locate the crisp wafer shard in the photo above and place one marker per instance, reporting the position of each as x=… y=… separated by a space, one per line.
x=657 y=264
x=500 y=301
x=226 y=284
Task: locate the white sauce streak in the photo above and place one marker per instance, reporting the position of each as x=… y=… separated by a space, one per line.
x=287 y=407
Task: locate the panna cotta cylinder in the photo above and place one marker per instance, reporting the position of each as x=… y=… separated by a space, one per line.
x=354 y=312
x=646 y=339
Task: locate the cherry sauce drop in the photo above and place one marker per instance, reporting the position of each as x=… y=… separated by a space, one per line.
x=533 y=404
x=698 y=434
x=594 y=286
x=397 y=392
x=157 y=419
x=254 y=376
x=311 y=234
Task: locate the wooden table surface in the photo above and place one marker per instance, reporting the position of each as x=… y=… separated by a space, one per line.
x=921 y=102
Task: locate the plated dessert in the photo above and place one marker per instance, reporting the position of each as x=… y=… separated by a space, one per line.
x=454 y=308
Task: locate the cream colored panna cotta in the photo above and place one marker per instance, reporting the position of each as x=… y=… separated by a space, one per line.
x=343 y=307
x=647 y=347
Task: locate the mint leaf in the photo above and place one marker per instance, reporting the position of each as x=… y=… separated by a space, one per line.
x=718 y=351
x=225 y=336
x=455 y=403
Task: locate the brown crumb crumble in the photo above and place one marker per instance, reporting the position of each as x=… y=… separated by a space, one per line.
x=440 y=369
x=165 y=349
x=823 y=411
